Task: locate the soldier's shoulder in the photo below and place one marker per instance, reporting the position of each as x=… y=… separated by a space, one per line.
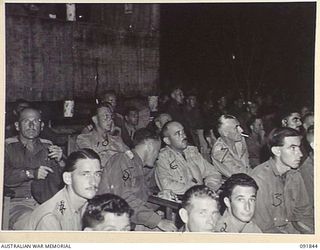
x=11 y=140
x=192 y=149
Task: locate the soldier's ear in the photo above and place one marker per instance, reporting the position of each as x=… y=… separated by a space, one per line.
x=41 y=126
x=16 y=125
x=276 y=151
x=94 y=119
x=67 y=178
x=183 y=213
x=284 y=122
x=166 y=140
x=226 y=201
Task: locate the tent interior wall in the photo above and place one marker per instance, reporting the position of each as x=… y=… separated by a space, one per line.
x=114 y=46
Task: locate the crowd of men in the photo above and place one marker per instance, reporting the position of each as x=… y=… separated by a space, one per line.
x=234 y=169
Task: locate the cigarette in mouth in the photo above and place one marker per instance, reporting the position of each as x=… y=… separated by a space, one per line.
x=244 y=135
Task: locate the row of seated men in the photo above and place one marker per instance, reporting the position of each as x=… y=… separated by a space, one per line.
x=33 y=170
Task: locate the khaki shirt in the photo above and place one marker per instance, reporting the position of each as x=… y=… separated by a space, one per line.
x=104 y=148
x=178 y=174
x=231 y=161
x=56 y=214
x=281 y=199
x=226 y=225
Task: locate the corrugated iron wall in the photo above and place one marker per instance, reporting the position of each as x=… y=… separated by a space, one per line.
x=52 y=59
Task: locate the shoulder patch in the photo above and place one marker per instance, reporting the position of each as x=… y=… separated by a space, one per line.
x=61 y=207
x=46 y=141
x=11 y=140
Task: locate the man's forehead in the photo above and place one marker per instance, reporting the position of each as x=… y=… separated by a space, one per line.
x=291 y=140
x=294 y=115
x=87 y=165
x=230 y=122
x=243 y=190
x=29 y=113
x=203 y=202
x=175 y=127
x=103 y=110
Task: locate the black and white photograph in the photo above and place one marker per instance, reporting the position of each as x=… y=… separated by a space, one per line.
x=159 y=117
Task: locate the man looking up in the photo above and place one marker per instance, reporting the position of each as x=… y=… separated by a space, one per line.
x=199 y=209
x=129 y=175
x=230 y=149
x=238 y=199
x=63 y=211
x=107 y=212
x=180 y=166
x=101 y=138
x=32 y=167
x=282 y=204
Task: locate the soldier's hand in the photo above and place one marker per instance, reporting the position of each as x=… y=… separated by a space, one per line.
x=43 y=172
x=167 y=226
x=55 y=152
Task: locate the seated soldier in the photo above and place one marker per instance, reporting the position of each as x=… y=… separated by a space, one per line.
x=107 y=212
x=199 y=209
x=230 y=149
x=256 y=140
x=282 y=204
x=32 y=167
x=63 y=211
x=180 y=166
x=129 y=126
x=158 y=122
x=101 y=138
x=238 y=200
x=291 y=119
x=130 y=174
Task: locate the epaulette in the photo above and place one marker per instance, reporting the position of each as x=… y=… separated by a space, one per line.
x=129 y=154
x=46 y=141
x=221 y=150
x=11 y=140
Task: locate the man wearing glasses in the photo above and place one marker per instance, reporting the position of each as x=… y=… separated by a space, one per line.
x=101 y=139
x=33 y=166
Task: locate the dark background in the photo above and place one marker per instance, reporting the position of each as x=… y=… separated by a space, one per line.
x=273 y=46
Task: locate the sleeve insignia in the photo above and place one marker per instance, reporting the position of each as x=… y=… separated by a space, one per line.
x=125 y=175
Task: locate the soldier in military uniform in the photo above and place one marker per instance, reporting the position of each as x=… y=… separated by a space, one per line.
x=101 y=138
x=238 y=199
x=282 y=204
x=64 y=211
x=180 y=166
x=33 y=167
x=128 y=175
x=230 y=149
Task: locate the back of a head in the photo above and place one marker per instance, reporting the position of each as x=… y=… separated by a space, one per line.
x=74 y=157
x=198 y=191
x=277 y=135
x=101 y=204
x=143 y=134
x=234 y=180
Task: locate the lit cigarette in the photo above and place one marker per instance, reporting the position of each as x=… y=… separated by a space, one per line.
x=244 y=135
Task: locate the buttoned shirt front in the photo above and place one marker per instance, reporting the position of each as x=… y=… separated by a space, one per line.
x=178 y=173
x=56 y=214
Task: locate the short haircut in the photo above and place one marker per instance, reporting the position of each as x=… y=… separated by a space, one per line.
x=277 y=135
x=143 y=134
x=28 y=108
x=130 y=109
x=198 y=191
x=251 y=121
x=103 y=105
x=74 y=157
x=234 y=180
x=165 y=128
x=101 y=204
x=222 y=118
x=108 y=93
